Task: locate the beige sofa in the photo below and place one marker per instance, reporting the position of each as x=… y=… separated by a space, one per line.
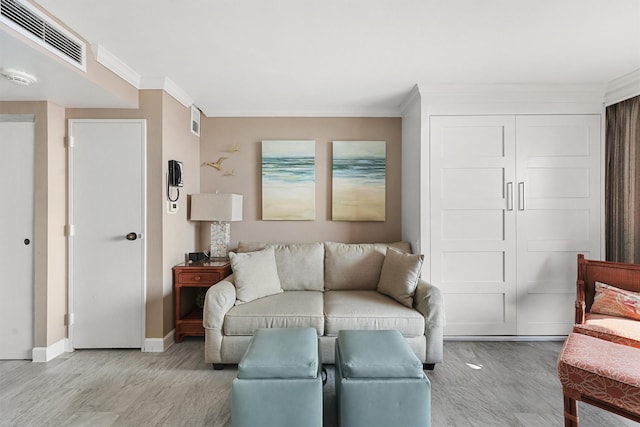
x=327 y=286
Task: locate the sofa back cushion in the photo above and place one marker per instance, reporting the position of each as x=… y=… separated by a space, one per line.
x=356 y=266
x=300 y=265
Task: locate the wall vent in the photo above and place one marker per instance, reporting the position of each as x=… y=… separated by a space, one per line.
x=28 y=21
x=195 y=120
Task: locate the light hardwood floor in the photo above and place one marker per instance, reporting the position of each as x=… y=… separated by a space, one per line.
x=516 y=385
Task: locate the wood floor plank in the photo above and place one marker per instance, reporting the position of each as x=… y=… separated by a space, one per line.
x=511 y=384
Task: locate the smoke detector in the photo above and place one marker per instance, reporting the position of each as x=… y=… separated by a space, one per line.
x=18 y=77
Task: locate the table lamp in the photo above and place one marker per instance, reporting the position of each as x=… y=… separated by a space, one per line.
x=220 y=209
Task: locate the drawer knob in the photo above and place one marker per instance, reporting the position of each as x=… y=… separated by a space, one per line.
x=197 y=278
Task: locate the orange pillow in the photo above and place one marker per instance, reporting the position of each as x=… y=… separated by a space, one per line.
x=616 y=302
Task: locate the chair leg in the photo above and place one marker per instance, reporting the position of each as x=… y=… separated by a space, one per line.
x=428 y=366
x=570 y=411
x=218 y=366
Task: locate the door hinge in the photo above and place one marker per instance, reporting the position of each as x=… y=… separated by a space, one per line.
x=71 y=230
x=68 y=319
x=70 y=142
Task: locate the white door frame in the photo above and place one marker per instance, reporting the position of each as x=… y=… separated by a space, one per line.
x=70 y=228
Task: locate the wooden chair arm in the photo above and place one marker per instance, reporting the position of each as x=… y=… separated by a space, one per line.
x=580 y=302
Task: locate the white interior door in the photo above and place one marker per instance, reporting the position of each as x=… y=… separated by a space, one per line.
x=17 y=143
x=107 y=204
x=473 y=222
x=558 y=175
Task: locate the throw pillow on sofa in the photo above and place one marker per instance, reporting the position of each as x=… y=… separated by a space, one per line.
x=256 y=275
x=399 y=276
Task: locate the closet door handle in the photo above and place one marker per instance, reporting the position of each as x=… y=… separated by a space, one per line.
x=521 y=196
x=509 y=196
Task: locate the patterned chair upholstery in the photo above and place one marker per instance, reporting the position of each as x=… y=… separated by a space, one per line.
x=599 y=372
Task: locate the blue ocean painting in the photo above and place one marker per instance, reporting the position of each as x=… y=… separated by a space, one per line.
x=288 y=180
x=359 y=181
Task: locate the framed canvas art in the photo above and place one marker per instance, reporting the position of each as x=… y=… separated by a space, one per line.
x=359 y=181
x=288 y=180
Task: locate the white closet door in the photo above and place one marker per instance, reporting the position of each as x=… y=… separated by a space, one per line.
x=17 y=153
x=473 y=223
x=558 y=175
x=107 y=249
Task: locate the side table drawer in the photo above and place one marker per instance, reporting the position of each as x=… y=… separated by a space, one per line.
x=195 y=277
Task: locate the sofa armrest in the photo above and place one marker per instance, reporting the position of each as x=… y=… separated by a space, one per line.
x=428 y=301
x=219 y=299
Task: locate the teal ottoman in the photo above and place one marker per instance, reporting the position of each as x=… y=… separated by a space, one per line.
x=279 y=380
x=380 y=381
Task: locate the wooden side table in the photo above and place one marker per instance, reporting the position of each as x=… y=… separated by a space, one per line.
x=197 y=275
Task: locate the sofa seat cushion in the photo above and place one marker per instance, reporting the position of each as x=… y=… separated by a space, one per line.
x=289 y=309
x=611 y=328
x=369 y=310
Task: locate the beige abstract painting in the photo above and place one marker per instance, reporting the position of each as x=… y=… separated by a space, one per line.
x=288 y=180
x=359 y=181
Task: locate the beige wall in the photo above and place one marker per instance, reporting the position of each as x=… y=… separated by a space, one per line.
x=50 y=265
x=57 y=300
x=179 y=234
x=220 y=134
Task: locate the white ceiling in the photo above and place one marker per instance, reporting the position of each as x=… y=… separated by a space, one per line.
x=57 y=81
x=351 y=57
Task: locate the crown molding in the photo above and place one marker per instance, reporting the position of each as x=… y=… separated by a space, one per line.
x=303 y=112
x=622 y=88
x=169 y=86
x=413 y=94
x=522 y=93
x=116 y=65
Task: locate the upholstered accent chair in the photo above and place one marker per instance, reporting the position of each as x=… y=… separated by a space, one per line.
x=600 y=361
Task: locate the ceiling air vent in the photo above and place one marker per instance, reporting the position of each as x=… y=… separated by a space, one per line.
x=27 y=20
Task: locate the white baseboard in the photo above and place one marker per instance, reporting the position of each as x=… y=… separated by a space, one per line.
x=158 y=345
x=515 y=338
x=45 y=354
x=151 y=345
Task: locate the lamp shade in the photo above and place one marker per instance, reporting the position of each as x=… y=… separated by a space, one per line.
x=216 y=207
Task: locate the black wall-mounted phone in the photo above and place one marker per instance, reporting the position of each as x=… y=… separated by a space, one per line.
x=175 y=173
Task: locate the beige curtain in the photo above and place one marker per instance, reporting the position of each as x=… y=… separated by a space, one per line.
x=622 y=181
